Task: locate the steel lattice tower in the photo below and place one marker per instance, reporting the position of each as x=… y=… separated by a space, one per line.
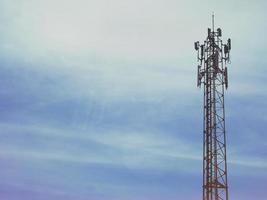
x=213 y=56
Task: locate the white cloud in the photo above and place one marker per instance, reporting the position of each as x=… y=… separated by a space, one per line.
x=129 y=47
x=138 y=150
x=133 y=149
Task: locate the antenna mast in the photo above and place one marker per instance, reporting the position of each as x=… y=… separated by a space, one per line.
x=213 y=56
x=213 y=22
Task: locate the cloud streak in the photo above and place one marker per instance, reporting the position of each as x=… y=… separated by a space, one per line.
x=99 y=99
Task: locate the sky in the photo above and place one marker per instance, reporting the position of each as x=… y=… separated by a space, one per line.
x=98 y=99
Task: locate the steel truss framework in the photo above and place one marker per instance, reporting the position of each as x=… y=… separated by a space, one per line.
x=213 y=56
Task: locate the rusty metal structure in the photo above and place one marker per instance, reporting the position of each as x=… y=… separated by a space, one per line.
x=213 y=56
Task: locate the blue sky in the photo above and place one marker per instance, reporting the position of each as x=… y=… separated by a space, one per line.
x=98 y=99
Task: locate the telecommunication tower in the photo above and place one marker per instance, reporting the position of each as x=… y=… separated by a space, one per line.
x=213 y=56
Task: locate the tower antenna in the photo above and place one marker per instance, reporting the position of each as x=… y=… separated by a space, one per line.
x=213 y=56
x=213 y=21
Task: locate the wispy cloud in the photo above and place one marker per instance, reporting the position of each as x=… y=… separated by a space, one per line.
x=134 y=149
x=99 y=98
x=116 y=147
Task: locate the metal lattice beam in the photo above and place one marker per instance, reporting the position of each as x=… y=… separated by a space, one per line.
x=213 y=56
